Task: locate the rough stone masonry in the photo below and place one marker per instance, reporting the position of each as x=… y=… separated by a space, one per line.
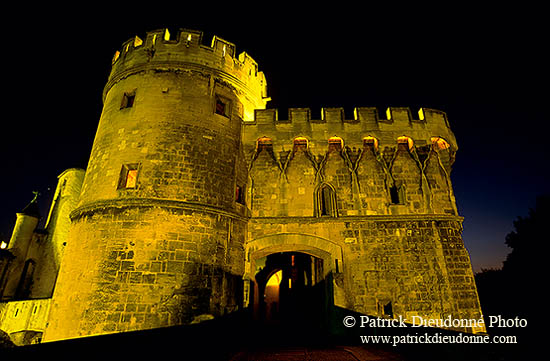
x=193 y=187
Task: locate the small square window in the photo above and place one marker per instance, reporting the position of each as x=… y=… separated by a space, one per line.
x=128 y=176
x=222 y=107
x=128 y=100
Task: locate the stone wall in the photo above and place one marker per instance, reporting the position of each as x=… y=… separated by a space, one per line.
x=24 y=321
x=162 y=234
x=417 y=264
x=286 y=182
x=144 y=267
x=392 y=223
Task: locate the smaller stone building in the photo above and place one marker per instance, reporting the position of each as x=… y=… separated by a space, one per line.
x=30 y=261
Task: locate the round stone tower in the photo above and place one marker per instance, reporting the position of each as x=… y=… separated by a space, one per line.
x=157 y=236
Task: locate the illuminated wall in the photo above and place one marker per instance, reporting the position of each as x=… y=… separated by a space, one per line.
x=191 y=180
x=158 y=235
x=376 y=193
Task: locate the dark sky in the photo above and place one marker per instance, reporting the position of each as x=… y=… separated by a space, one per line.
x=483 y=66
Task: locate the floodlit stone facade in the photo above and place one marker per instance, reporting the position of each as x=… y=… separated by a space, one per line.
x=195 y=195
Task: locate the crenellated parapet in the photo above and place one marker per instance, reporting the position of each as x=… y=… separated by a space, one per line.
x=366 y=123
x=162 y=51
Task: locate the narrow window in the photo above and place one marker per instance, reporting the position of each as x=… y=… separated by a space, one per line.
x=239 y=195
x=326 y=201
x=25 y=282
x=396 y=195
x=128 y=176
x=388 y=310
x=128 y=100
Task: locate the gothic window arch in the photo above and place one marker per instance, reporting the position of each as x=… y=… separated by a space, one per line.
x=325 y=201
x=397 y=194
x=23 y=290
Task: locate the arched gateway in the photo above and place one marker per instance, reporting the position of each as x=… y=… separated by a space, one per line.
x=291 y=277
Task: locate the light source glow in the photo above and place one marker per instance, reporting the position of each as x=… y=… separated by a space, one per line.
x=440 y=143
x=405 y=140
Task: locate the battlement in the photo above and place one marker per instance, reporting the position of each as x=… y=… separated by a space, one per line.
x=366 y=122
x=184 y=50
x=367 y=115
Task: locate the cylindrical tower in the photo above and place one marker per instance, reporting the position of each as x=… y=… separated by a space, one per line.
x=157 y=236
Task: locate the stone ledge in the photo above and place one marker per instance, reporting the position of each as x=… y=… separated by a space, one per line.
x=151 y=203
x=384 y=217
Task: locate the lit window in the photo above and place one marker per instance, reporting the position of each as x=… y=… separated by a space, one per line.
x=264 y=143
x=131 y=178
x=116 y=56
x=335 y=143
x=300 y=143
x=128 y=100
x=439 y=144
x=128 y=176
x=371 y=142
x=404 y=142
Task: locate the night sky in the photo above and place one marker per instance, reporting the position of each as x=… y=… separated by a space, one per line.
x=482 y=66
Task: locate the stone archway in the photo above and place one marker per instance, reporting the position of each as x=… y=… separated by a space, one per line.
x=327 y=252
x=292 y=289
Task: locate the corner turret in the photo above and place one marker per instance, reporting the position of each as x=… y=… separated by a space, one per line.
x=25 y=224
